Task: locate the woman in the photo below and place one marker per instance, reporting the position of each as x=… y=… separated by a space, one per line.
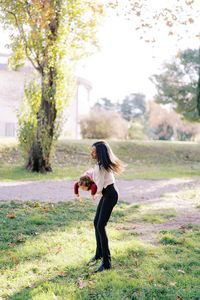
x=106 y=164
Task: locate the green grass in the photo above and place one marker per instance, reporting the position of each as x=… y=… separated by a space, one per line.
x=45 y=248
x=190 y=195
x=144 y=159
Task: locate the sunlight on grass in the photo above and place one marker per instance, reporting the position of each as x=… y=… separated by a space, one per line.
x=45 y=248
x=191 y=195
x=146 y=160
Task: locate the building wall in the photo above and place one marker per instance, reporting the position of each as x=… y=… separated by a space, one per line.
x=12 y=91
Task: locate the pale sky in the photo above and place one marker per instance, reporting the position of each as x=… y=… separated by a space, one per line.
x=125 y=62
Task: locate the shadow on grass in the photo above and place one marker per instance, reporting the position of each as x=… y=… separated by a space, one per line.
x=140 y=270
x=23 y=221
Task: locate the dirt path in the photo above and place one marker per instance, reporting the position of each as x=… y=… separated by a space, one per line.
x=133 y=191
x=137 y=190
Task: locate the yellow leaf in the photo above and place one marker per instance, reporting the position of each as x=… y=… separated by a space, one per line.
x=191 y=20
x=170 y=24
x=179 y=54
x=189 y=2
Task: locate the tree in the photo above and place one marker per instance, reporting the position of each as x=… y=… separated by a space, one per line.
x=165 y=124
x=177 y=85
x=107 y=104
x=133 y=107
x=51 y=34
x=180 y=17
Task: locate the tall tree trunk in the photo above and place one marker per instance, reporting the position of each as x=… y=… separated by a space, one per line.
x=39 y=159
x=198 y=88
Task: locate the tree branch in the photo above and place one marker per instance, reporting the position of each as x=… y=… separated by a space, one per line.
x=21 y=32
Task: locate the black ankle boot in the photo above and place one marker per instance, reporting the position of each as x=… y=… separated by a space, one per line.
x=102 y=267
x=93 y=259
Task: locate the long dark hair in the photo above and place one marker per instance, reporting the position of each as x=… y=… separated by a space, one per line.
x=106 y=158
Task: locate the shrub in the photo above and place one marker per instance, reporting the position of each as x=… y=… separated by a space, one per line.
x=136 y=131
x=27 y=115
x=104 y=124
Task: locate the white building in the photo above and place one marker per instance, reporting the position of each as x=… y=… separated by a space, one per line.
x=12 y=91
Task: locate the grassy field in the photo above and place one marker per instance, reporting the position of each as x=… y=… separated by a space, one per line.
x=45 y=248
x=148 y=160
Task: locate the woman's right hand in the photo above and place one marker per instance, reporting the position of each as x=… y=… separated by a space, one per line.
x=89 y=173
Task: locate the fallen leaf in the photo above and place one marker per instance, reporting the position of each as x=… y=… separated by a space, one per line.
x=59 y=249
x=118 y=228
x=136 y=262
x=91 y=283
x=11 y=216
x=16 y=260
x=62 y=274
x=19 y=239
x=92 y=263
x=172 y=283
x=91 y=224
x=181 y=271
x=32 y=285
x=183 y=240
x=82 y=284
x=151 y=278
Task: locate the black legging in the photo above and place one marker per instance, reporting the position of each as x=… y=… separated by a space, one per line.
x=104 y=210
